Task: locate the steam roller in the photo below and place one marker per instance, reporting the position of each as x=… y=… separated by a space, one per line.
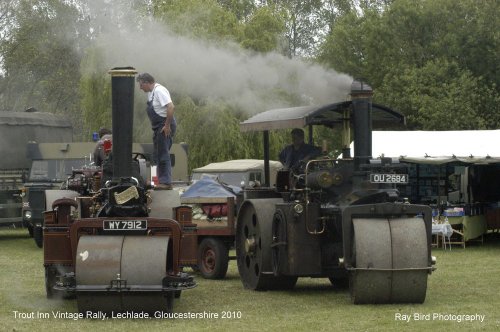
x=102 y=244
x=343 y=218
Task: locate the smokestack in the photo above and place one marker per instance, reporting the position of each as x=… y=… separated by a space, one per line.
x=122 y=96
x=361 y=96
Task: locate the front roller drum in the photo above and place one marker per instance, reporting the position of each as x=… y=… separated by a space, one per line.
x=390 y=258
x=122 y=274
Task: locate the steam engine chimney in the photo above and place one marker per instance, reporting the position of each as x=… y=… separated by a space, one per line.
x=122 y=94
x=361 y=96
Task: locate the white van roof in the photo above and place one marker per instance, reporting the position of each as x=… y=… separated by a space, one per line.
x=238 y=165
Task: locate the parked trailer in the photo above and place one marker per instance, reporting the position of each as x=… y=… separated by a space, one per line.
x=208 y=224
x=209 y=236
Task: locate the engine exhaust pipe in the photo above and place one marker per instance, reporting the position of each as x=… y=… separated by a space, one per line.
x=361 y=97
x=122 y=94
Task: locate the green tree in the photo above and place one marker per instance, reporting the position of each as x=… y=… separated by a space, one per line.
x=263 y=30
x=198 y=18
x=211 y=131
x=41 y=57
x=304 y=25
x=95 y=93
x=397 y=45
x=437 y=96
x=242 y=9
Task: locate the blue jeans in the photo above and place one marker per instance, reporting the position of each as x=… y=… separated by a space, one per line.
x=161 y=156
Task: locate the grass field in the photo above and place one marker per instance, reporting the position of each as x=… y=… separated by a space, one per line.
x=466 y=282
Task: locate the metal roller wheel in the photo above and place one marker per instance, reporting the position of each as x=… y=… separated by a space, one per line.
x=390 y=258
x=51 y=275
x=278 y=231
x=278 y=255
x=140 y=260
x=253 y=246
x=50 y=281
x=213 y=258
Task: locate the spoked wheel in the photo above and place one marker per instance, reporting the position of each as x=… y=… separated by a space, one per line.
x=213 y=258
x=253 y=246
x=390 y=257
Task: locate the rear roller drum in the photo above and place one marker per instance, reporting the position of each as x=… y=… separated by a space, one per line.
x=390 y=261
x=253 y=246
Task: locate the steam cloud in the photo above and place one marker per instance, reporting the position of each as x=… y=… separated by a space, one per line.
x=205 y=71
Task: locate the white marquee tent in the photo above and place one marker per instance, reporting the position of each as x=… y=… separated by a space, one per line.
x=438 y=147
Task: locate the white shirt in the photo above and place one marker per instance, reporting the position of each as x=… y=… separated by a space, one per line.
x=161 y=98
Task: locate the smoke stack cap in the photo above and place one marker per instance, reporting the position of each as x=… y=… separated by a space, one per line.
x=360 y=87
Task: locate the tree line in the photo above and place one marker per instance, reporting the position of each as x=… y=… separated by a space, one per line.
x=436 y=61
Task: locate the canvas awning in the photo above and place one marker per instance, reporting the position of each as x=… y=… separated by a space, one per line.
x=328 y=115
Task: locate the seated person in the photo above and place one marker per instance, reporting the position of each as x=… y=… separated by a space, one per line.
x=99 y=154
x=298 y=151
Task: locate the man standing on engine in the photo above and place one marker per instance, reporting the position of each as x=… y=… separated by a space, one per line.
x=160 y=111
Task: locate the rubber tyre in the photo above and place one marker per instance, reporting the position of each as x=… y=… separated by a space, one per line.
x=38 y=236
x=30 y=230
x=213 y=258
x=339 y=283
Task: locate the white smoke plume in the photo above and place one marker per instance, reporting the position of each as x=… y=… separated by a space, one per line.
x=206 y=71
